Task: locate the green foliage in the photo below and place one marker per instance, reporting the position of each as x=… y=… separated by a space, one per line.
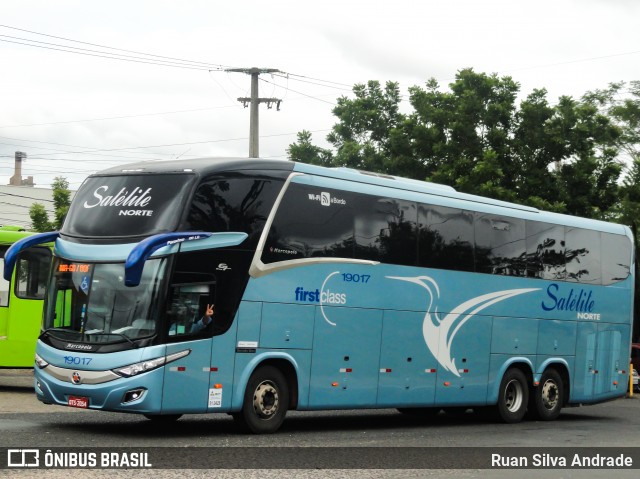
x=478 y=139
x=306 y=152
x=61 y=201
x=39 y=218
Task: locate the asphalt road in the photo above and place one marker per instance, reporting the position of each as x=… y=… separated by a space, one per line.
x=24 y=422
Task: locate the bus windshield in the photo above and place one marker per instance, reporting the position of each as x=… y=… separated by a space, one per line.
x=89 y=302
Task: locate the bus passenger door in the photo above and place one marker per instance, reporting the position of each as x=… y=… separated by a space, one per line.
x=345 y=358
x=186 y=381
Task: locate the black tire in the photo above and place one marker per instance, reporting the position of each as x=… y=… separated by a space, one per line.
x=547 y=399
x=163 y=418
x=266 y=401
x=513 y=396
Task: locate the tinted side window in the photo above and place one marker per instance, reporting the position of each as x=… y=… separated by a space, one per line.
x=446 y=238
x=583 y=256
x=616 y=254
x=32 y=273
x=234 y=203
x=500 y=245
x=385 y=230
x=196 y=281
x=545 y=251
x=311 y=222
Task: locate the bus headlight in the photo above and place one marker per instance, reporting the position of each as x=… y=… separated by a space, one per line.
x=41 y=363
x=150 y=364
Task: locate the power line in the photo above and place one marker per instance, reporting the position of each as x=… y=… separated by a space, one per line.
x=111 y=48
x=23 y=196
x=153 y=58
x=94 y=151
x=57 y=171
x=182 y=144
x=88 y=150
x=116 y=117
x=568 y=62
x=67 y=49
x=14 y=204
x=293 y=76
x=300 y=93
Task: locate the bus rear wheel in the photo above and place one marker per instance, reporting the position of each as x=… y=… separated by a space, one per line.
x=513 y=396
x=548 y=397
x=266 y=401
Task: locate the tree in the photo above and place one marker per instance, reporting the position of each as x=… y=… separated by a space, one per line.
x=39 y=218
x=61 y=201
x=306 y=152
x=623 y=107
x=463 y=136
x=476 y=138
x=368 y=136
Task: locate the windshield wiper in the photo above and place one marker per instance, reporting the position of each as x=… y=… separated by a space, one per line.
x=135 y=345
x=48 y=331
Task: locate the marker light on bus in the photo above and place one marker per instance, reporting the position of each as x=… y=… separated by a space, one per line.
x=41 y=363
x=149 y=365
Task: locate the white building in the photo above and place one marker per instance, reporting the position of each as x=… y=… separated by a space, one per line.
x=15 y=202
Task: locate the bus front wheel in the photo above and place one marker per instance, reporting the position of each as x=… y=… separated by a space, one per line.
x=265 y=401
x=547 y=399
x=513 y=396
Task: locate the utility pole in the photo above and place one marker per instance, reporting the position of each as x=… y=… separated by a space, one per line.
x=254 y=102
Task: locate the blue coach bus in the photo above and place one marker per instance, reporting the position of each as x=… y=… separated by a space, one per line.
x=331 y=289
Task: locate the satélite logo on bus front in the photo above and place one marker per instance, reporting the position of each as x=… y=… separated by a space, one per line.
x=130 y=203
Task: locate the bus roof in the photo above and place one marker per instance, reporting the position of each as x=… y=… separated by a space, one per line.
x=200 y=166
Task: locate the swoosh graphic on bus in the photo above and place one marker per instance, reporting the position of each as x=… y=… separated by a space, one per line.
x=440 y=333
x=321 y=293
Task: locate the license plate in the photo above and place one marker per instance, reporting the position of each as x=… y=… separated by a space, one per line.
x=77 y=401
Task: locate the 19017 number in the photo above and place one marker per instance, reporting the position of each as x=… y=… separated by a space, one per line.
x=76 y=360
x=355 y=278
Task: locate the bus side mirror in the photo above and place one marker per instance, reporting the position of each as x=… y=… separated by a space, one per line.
x=11 y=256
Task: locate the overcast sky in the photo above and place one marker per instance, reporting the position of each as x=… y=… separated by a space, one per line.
x=74 y=114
